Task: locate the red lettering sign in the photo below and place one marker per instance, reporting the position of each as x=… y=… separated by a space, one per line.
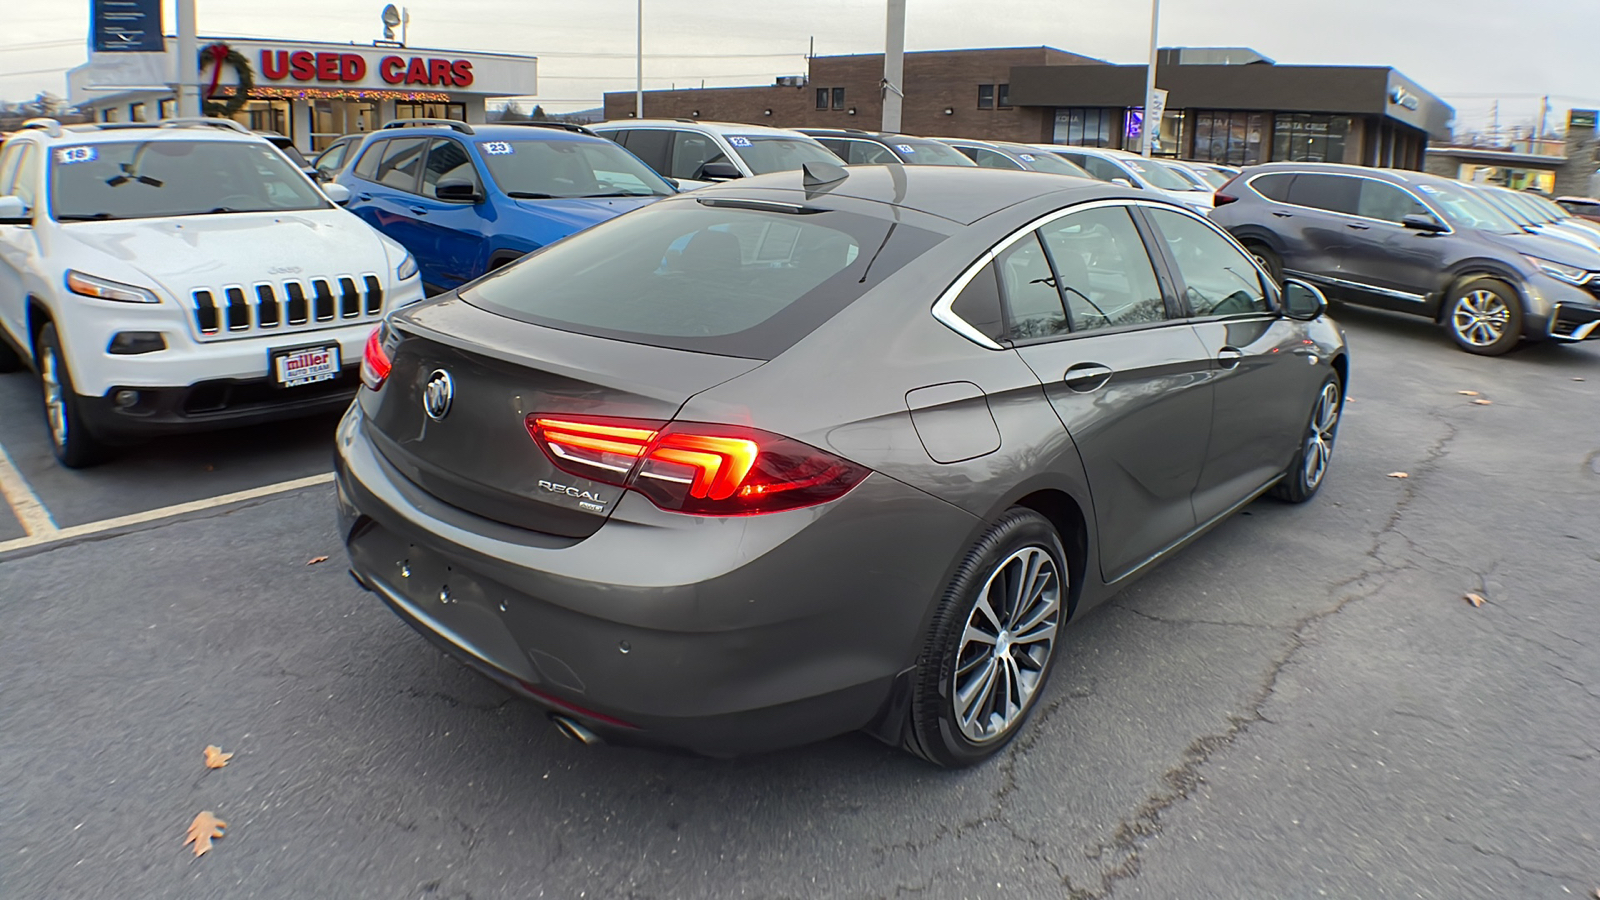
x=275 y=64
x=463 y=71
x=352 y=67
x=389 y=69
x=417 y=71
x=327 y=67
x=303 y=65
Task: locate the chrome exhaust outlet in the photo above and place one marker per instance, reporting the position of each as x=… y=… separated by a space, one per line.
x=575 y=731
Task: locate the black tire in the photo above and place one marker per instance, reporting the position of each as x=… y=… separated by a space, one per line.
x=10 y=359
x=1309 y=468
x=996 y=569
x=70 y=439
x=1268 y=259
x=1484 y=316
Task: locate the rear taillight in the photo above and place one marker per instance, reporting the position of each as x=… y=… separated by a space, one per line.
x=375 y=363
x=1223 y=198
x=703 y=469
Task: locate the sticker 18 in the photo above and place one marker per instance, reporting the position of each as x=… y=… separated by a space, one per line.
x=69 y=155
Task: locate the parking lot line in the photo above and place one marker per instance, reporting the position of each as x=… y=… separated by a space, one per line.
x=35 y=519
x=55 y=534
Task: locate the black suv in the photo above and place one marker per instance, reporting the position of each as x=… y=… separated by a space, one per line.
x=868 y=148
x=1415 y=243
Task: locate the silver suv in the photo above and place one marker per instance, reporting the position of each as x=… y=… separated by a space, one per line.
x=695 y=153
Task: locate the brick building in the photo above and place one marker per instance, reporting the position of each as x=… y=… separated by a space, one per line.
x=1229 y=105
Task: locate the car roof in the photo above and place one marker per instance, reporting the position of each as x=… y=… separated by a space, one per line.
x=884 y=136
x=695 y=124
x=962 y=194
x=51 y=131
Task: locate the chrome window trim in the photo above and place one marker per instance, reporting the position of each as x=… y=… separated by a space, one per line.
x=943 y=308
x=1250 y=183
x=1360 y=286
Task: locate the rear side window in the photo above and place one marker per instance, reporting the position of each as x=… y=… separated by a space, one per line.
x=1032 y=303
x=652 y=146
x=1334 y=193
x=367 y=166
x=978 y=304
x=991 y=160
x=733 y=280
x=1274 y=186
x=1104 y=270
x=402 y=164
x=25 y=183
x=859 y=153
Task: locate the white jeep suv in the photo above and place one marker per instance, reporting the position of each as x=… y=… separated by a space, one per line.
x=181 y=275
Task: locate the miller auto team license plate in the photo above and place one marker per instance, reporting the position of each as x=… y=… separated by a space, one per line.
x=305 y=365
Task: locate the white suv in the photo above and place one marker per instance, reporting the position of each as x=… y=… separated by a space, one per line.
x=181 y=275
x=694 y=153
x=1133 y=170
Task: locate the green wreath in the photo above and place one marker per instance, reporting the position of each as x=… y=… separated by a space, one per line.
x=217 y=54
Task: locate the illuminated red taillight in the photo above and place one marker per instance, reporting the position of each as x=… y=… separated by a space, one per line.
x=375 y=363
x=1222 y=199
x=704 y=469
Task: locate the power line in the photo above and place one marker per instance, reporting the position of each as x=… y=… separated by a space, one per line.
x=39 y=45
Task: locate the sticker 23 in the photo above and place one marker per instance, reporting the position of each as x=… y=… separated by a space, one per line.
x=498 y=148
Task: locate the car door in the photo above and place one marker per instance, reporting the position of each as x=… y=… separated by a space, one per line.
x=1399 y=266
x=1318 y=214
x=389 y=197
x=691 y=150
x=1129 y=379
x=451 y=238
x=20 y=168
x=653 y=146
x=1263 y=370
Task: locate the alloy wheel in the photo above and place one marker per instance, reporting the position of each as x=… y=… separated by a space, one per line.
x=1319 y=443
x=1006 y=644
x=55 y=399
x=1480 y=317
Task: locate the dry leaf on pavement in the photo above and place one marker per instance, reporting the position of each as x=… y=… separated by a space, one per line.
x=1399 y=475
x=204 y=827
x=1468 y=393
x=215 y=758
x=316 y=559
x=1482 y=402
x=1475 y=599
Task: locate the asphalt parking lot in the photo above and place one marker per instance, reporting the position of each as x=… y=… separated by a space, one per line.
x=1301 y=705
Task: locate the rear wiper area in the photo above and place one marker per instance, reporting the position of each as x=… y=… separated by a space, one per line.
x=86 y=217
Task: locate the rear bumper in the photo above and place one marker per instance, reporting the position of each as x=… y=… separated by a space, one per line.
x=720 y=636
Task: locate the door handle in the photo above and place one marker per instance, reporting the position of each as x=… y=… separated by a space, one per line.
x=1087 y=377
x=1357 y=226
x=419 y=211
x=1229 y=357
x=363 y=196
x=1283 y=215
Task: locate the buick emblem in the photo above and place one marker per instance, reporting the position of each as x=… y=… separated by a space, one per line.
x=436 y=397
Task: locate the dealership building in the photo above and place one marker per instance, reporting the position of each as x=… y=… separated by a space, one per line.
x=1229 y=105
x=311 y=91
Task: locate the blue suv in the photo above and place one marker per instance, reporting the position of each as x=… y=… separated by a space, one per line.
x=466 y=199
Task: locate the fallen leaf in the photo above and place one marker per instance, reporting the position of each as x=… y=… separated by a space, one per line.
x=316 y=559
x=1475 y=599
x=215 y=758
x=1597 y=890
x=1399 y=475
x=1482 y=402
x=204 y=827
x=1468 y=393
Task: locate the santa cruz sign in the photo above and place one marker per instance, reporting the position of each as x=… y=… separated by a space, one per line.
x=305 y=66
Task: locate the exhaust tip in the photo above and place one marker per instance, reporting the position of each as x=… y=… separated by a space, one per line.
x=576 y=732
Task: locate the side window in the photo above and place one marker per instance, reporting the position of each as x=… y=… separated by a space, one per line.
x=969 y=152
x=1335 y=193
x=25 y=183
x=367 y=165
x=328 y=162
x=992 y=160
x=402 y=164
x=1103 y=169
x=979 y=304
x=447 y=161
x=1218 y=278
x=1029 y=288
x=690 y=151
x=1104 y=269
x=1387 y=202
x=8 y=166
x=652 y=146
x=868 y=153
x=1273 y=186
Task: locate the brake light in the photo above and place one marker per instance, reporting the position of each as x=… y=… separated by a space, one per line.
x=375 y=362
x=702 y=469
x=1222 y=199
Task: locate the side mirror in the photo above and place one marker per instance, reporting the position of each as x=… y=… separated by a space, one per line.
x=1424 y=224
x=1123 y=182
x=457 y=191
x=13 y=211
x=718 y=171
x=338 y=193
x=1303 y=301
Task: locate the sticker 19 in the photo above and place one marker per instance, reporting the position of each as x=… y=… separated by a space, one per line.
x=69 y=155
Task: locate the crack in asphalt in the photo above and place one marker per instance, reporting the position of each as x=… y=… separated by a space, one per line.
x=1167 y=620
x=1518 y=864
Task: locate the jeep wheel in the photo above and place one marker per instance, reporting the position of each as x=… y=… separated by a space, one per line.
x=70 y=439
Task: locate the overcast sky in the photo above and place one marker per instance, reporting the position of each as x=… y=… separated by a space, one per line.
x=1470 y=52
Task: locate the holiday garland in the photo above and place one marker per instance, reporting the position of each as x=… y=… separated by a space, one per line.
x=216 y=55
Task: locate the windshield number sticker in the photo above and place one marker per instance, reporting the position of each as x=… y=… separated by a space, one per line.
x=498 y=148
x=1427 y=188
x=739 y=141
x=905 y=148
x=69 y=155
x=1026 y=157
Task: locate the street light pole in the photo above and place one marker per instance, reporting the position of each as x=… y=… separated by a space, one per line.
x=638 y=64
x=188 y=62
x=894 y=58
x=1150 y=129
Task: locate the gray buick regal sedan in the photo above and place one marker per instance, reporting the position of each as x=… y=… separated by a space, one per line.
x=824 y=450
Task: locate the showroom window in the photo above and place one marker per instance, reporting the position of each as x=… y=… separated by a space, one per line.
x=1310 y=137
x=1087 y=126
x=1234 y=138
x=457 y=111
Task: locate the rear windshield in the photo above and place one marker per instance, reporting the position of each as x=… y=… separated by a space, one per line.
x=918 y=152
x=147 y=179
x=542 y=170
x=779 y=154
x=731 y=280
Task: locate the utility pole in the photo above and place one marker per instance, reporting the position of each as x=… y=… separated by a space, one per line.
x=188 y=68
x=894 y=65
x=638 y=65
x=1544 y=112
x=1150 y=129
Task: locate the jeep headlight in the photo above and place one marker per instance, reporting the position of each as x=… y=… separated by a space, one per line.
x=106 y=289
x=1562 y=271
x=407 y=269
